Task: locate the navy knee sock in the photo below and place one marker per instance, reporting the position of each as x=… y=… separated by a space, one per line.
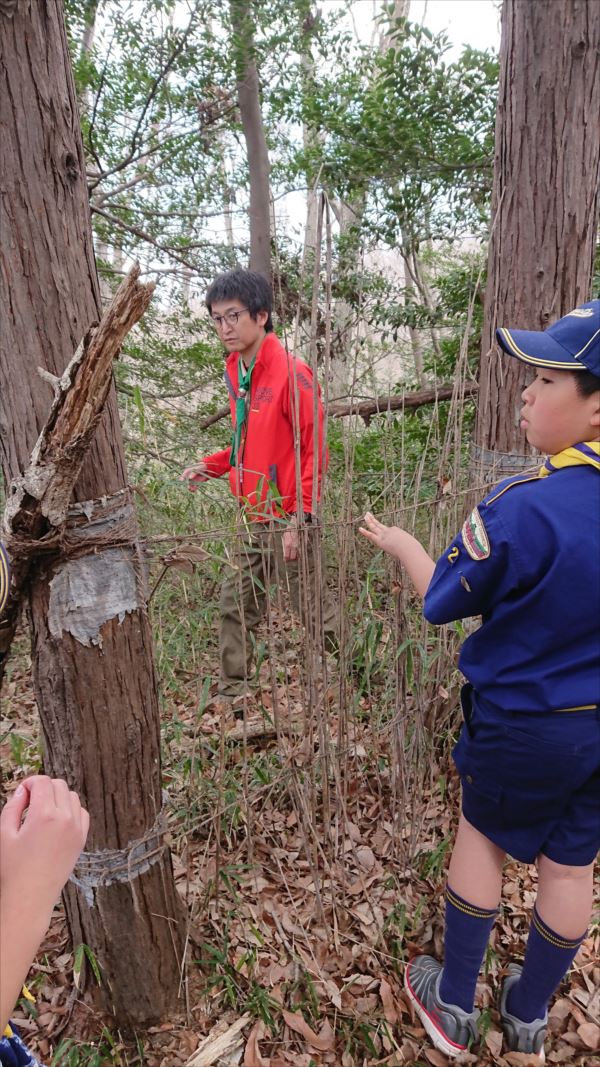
x=467 y=933
x=547 y=959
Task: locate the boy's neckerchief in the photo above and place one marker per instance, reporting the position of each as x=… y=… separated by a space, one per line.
x=244 y=378
x=586 y=453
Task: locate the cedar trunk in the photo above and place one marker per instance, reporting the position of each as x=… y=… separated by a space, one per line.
x=98 y=703
x=544 y=208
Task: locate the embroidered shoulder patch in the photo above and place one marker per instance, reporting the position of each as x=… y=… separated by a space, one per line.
x=475 y=538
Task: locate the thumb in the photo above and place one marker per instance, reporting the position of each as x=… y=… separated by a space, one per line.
x=12 y=812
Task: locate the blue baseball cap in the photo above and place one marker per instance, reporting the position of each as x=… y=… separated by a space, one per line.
x=4 y=577
x=572 y=343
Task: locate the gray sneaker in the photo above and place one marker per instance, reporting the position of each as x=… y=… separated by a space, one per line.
x=520 y=1036
x=450 y=1028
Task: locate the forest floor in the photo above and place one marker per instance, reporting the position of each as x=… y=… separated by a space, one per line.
x=301 y=921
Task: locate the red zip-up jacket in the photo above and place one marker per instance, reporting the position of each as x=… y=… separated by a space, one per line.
x=281 y=401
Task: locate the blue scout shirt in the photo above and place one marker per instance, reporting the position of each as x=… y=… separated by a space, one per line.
x=528 y=561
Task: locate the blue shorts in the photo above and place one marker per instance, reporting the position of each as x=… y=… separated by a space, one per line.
x=531 y=782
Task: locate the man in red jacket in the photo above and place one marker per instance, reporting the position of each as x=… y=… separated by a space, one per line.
x=275 y=466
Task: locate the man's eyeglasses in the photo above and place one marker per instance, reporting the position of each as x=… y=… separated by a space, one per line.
x=230 y=317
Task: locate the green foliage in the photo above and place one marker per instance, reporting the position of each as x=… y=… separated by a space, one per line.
x=433 y=863
x=412 y=131
x=400 y=126
x=237 y=982
x=71 y=1053
x=83 y=954
x=400 y=133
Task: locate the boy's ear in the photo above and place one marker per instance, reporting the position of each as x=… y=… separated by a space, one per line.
x=595 y=416
x=261 y=317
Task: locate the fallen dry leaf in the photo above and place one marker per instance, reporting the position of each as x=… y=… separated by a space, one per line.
x=323 y=1043
x=366 y=857
x=437 y=1058
x=389 y=1004
x=252 y=1053
x=560 y=1009
x=590 y=1035
x=522 y=1059
x=493 y=1040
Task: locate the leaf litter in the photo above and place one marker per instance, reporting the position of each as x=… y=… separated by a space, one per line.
x=304 y=913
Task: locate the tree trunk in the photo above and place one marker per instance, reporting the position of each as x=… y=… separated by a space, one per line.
x=93 y=666
x=248 y=91
x=400 y=10
x=349 y=216
x=544 y=208
x=90 y=12
x=343 y=360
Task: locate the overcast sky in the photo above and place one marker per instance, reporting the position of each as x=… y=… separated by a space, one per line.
x=473 y=22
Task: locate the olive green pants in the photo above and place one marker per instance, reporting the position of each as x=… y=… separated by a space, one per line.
x=259 y=569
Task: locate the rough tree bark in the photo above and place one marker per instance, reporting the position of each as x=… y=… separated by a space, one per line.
x=544 y=208
x=96 y=691
x=248 y=90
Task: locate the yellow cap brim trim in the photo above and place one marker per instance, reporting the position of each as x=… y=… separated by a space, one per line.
x=539 y=361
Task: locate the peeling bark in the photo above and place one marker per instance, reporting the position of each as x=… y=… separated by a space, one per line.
x=38 y=500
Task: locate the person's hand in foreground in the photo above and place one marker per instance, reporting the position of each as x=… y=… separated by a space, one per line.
x=403 y=547
x=194 y=475
x=43 y=828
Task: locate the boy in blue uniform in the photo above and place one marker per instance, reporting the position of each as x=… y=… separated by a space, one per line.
x=528 y=561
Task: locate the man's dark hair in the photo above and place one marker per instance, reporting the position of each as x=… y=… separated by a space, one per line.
x=249 y=287
x=587 y=383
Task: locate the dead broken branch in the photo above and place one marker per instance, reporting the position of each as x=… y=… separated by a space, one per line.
x=38 y=501
x=378 y=405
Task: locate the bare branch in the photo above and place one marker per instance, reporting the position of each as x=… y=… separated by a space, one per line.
x=138 y=177
x=211 y=419
x=163 y=72
x=135 y=230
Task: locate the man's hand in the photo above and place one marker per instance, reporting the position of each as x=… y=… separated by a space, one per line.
x=290 y=541
x=194 y=475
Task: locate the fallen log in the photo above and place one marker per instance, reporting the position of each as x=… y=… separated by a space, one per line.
x=378 y=405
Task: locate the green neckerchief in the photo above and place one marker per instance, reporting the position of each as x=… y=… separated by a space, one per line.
x=244 y=377
x=586 y=452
